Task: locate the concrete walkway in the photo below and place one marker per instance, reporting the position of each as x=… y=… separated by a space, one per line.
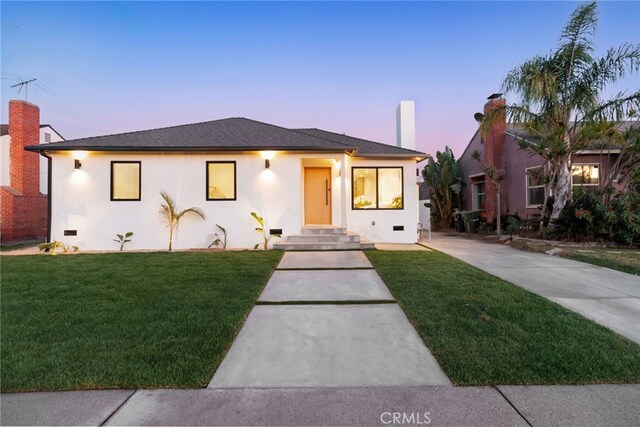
x=326 y=319
x=608 y=297
x=592 y=405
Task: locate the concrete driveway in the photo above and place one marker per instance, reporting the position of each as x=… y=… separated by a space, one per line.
x=608 y=297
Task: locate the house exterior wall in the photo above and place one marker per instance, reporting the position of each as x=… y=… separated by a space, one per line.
x=81 y=199
x=377 y=225
x=469 y=168
x=517 y=161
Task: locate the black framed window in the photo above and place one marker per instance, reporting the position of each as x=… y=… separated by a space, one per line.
x=221 y=180
x=377 y=187
x=126 y=180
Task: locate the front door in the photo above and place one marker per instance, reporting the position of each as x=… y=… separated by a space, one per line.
x=317 y=196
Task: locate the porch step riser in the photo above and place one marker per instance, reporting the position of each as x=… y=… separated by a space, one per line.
x=287 y=246
x=326 y=238
x=319 y=231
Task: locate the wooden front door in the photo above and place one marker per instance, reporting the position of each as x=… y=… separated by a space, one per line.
x=317 y=196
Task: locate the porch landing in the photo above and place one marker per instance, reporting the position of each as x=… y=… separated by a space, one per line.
x=323 y=238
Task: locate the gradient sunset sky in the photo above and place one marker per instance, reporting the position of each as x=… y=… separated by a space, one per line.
x=122 y=66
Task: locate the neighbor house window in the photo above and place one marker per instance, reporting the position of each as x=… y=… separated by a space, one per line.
x=377 y=188
x=586 y=177
x=478 y=196
x=221 y=180
x=125 y=180
x=47 y=137
x=535 y=186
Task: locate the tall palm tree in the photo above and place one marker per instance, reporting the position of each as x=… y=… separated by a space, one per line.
x=560 y=98
x=170 y=215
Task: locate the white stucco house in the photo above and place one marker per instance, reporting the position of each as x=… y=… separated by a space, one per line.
x=310 y=185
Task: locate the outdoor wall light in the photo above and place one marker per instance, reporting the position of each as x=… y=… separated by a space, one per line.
x=77 y=164
x=267 y=156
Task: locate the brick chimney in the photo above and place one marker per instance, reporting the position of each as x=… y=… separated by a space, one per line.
x=494 y=155
x=24 y=128
x=23 y=213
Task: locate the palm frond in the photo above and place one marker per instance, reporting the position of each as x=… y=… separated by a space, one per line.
x=194 y=210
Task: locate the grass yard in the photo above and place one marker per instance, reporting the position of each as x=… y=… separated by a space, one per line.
x=484 y=330
x=124 y=320
x=627 y=260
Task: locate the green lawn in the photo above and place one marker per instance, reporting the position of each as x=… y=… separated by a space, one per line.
x=124 y=320
x=484 y=330
x=627 y=260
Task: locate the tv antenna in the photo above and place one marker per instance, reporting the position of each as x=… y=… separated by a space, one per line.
x=24 y=84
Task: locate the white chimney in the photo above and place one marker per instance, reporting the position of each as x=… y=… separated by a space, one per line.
x=406 y=125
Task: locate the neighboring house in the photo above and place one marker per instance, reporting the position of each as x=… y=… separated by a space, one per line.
x=292 y=177
x=522 y=190
x=23 y=175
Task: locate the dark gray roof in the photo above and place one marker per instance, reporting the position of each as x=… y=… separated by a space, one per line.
x=364 y=146
x=232 y=134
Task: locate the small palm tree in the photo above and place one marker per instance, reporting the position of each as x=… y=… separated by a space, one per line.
x=169 y=214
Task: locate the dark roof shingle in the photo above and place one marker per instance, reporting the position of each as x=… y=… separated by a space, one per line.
x=364 y=146
x=232 y=134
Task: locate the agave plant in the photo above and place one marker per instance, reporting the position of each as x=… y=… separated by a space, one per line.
x=171 y=216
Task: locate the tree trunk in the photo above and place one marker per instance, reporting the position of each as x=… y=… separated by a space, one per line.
x=170 y=237
x=498 y=209
x=562 y=188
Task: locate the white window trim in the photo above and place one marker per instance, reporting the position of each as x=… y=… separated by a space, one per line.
x=586 y=185
x=526 y=186
x=474 y=195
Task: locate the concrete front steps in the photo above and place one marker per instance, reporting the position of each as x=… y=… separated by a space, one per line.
x=323 y=238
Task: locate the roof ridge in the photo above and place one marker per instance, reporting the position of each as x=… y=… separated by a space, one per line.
x=295 y=131
x=300 y=131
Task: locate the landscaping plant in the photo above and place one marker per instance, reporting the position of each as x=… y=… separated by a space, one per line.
x=122 y=239
x=52 y=247
x=592 y=216
x=263 y=230
x=170 y=214
x=444 y=177
x=217 y=241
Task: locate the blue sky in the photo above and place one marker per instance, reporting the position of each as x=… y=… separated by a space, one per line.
x=122 y=66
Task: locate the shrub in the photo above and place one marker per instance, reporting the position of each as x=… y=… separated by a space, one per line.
x=600 y=216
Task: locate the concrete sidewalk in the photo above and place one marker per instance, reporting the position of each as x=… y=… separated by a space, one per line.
x=608 y=297
x=592 y=405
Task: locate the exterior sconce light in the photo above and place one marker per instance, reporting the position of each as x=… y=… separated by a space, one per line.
x=267 y=156
x=77 y=164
